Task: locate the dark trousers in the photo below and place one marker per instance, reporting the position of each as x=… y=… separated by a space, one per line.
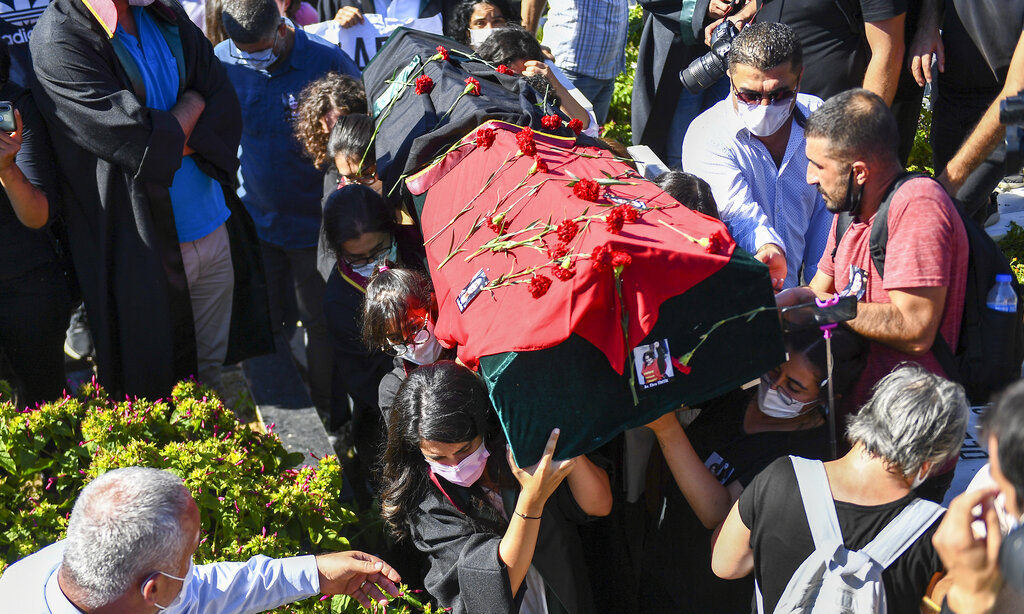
x=34 y=313
x=293 y=273
x=955 y=113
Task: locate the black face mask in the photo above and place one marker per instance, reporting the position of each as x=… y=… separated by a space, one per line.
x=851 y=202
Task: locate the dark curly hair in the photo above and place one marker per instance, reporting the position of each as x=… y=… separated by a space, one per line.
x=332 y=91
x=457 y=25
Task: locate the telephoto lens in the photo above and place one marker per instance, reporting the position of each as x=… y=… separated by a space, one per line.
x=703 y=72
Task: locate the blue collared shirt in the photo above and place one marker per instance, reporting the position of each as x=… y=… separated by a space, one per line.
x=760 y=202
x=588 y=37
x=30 y=586
x=197 y=200
x=280 y=186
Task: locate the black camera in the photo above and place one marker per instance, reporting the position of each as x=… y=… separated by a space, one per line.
x=703 y=72
x=1011 y=114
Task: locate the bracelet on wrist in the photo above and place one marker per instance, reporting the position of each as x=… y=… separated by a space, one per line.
x=525 y=516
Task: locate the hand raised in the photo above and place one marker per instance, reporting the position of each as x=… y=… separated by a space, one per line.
x=10 y=143
x=540 y=480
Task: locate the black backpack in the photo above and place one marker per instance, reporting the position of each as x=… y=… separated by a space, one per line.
x=991 y=346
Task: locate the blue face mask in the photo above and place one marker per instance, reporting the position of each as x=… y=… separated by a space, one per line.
x=260 y=60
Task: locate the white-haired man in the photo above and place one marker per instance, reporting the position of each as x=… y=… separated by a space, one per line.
x=129 y=547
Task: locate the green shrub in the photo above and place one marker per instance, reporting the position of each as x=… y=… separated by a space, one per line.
x=250 y=499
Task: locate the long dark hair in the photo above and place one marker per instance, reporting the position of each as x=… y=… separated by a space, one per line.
x=444 y=402
x=390 y=295
x=352 y=211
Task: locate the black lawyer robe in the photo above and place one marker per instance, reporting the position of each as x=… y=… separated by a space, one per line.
x=117 y=159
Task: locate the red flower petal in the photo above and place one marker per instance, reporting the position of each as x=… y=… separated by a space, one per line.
x=559 y=251
x=484 y=137
x=621 y=259
x=525 y=141
x=472 y=86
x=424 y=85
x=551 y=122
x=567 y=230
x=587 y=189
x=505 y=70
x=562 y=273
x=576 y=126
x=614 y=220
x=443 y=52
x=539 y=285
x=601 y=258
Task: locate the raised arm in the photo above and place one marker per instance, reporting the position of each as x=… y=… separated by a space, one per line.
x=530 y=12
x=538 y=483
x=30 y=203
x=709 y=499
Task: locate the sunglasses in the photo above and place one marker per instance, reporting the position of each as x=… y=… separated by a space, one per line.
x=752 y=97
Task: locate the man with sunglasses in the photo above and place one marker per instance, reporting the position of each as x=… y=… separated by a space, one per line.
x=131 y=539
x=750 y=148
x=270 y=62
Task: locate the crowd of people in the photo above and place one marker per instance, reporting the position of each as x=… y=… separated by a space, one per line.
x=201 y=177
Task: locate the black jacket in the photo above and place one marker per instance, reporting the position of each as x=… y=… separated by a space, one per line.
x=459 y=530
x=118 y=159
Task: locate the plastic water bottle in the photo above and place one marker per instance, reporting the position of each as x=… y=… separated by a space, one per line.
x=1002 y=297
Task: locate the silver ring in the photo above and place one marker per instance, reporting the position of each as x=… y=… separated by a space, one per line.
x=362 y=585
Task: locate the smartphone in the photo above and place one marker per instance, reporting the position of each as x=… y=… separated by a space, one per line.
x=798 y=317
x=7 y=117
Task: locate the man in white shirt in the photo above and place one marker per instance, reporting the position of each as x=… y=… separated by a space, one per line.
x=750 y=149
x=129 y=547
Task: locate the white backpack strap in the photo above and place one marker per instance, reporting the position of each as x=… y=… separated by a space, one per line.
x=819 y=507
x=902 y=531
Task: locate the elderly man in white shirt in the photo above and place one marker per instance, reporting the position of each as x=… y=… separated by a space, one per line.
x=129 y=547
x=750 y=149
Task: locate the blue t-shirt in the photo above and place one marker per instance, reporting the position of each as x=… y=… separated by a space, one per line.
x=280 y=186
x=197 y=200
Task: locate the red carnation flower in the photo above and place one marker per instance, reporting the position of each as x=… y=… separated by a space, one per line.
x=539 y=166
x=576 y=126
x=551 y=122
x=601 y=258
x=443 y=52
x=716 y=245
x=621 y=259
x=472 y=86
x=567 y=230
x=505 y=70
x=562 y=273
x=498 y=226
x=630 y=212
x=424 y=85
x=485 y=137
x=539 y=285
x=684 y=369
x=525 y=141
x=559 y=251
x=614 y=220
x=587 y=189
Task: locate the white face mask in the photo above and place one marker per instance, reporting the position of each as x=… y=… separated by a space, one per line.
x=424 y=352
x=918 y=480
x=366 y=270
x=178 y=602
x=765 y=120
x=771 y=403
x=478 y=36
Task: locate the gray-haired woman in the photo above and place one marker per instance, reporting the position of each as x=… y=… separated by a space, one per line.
x=914 y=422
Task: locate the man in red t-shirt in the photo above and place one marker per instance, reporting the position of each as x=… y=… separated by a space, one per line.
x=852 y=153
